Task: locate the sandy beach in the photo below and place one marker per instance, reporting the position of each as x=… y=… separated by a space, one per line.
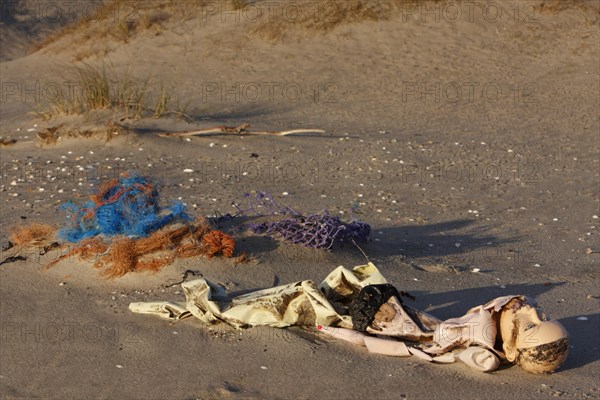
x=467 y=136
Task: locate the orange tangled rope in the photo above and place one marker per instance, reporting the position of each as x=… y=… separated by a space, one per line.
x=162 y=248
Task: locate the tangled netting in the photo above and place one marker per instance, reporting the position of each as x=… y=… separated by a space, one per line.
x=128 y=206
x=318 y=231
x=122 y=254
x=123 y=229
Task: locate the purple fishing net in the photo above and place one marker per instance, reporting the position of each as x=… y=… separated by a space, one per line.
x=318 y=231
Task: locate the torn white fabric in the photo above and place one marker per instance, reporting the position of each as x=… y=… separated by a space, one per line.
x=299 y=303
x=305 y=304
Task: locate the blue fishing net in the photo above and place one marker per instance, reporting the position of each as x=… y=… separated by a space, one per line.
x=128 y=206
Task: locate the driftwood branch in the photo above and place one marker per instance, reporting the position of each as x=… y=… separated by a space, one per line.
x=237 y=130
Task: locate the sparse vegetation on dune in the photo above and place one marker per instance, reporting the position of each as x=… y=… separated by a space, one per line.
x=550 y=6
x=325 y=15
x=103 y=88
x=120 y=21
x=94 y=98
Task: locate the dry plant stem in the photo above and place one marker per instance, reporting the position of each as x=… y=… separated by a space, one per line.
x=238 y=130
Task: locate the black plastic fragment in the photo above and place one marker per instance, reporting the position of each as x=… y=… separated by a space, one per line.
x=370 y=298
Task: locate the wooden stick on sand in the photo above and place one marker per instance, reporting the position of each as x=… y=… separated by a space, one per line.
x=237 y=130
